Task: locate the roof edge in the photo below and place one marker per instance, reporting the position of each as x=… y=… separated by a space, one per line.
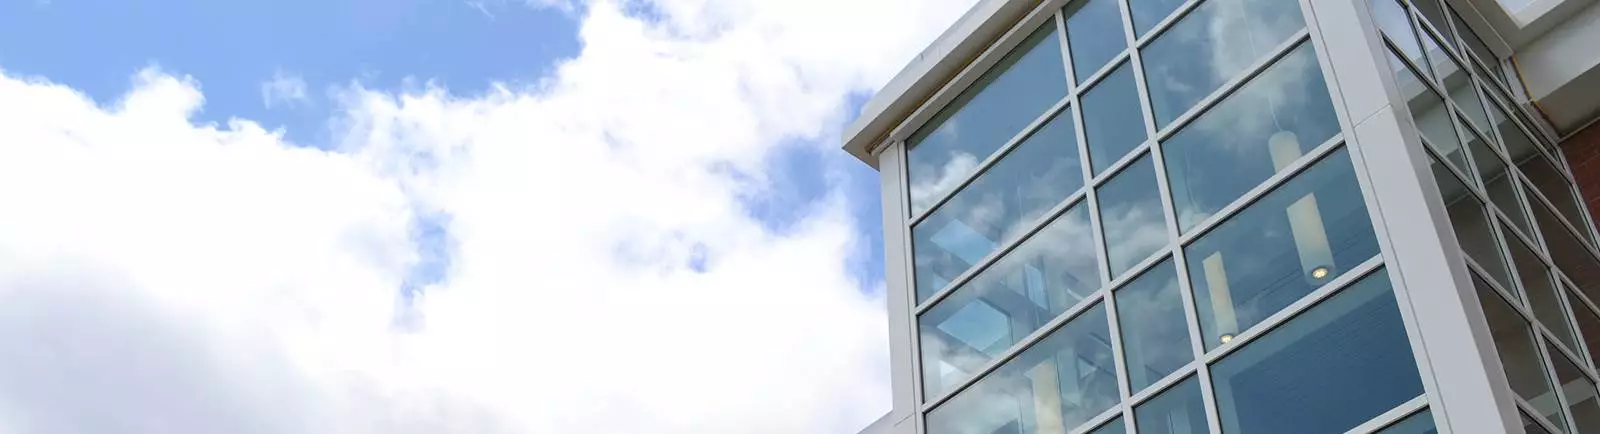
x=936 y=65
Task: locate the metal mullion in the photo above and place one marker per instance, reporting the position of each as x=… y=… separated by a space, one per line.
x=1116 y=167
x=1004 y=248
x=1587 y=243
x=974 y=70
x=1566 y=288
x=1099 y=75
x=1394 y=415
x=1178 y=14
x=1448 y=49
x=1017 y=348
x=1533 y=414
x=1255 y=194
x=1232 y=86
x=1311 y=299
x=991 y=160
x=1118 y=359
x=1557 y=386
x=1566 y=351
x=1508 y=294
x=1099 y=419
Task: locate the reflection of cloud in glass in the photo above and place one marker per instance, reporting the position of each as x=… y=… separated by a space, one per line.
x=1212 y=44
x=1037 y=281
x=1155 y=337
x=1057 y=385
x=1131 y=213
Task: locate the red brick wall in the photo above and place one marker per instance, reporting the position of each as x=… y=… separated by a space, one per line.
x=1583 y=154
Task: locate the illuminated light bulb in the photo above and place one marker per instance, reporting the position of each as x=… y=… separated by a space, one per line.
x=1227 y=338
x=1320 y=273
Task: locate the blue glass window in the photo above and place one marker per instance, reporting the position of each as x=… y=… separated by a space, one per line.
x=1131 y=213
x=1155 y=334
x=1216 y=41
x=1113 y=121
x=1177 y=410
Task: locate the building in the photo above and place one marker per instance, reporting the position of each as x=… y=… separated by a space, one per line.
x=1243 y=216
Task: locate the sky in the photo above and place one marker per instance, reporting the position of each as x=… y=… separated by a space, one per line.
x=423 y=216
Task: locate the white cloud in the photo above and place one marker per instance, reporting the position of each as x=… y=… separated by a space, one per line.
x=160 y=276
x=283 y=90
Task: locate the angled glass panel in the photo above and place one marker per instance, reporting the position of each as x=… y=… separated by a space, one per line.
x=1113 y=121
x=1519 y=355
x=1303 y=234
x=1588 y=322
x=1215 y=42
x=1113 y=427
x=1548 y=180
x=1177 y=410
x=1395 y=23
x=1469 y=218
x=1148 y=13
x=1491 y=168
x=1012 y=94
x=1094 y=34
x=1306 y=376
x=1579 y=391
x=1251 y=135
x=1458 y=85
x=1130 y=212
x=1518 y=144
x=1430 y=11
x=999 y=206
x=1475 y=44
x=1039 y=280
x=1155 y=334
x=1543 y=295
x=1531 y=426
x=1420 y=423
x=1057 y=385
x=1571 y=256
x=1431 y=115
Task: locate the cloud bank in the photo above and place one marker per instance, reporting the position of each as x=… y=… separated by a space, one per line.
x=573 y=257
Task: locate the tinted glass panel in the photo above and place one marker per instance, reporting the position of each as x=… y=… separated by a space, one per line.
x=1148 y=13
x=1113 y=121
x=1015 y=92
x=1300 y=236
x=1094 y=33
x=1532 y=427
x=1304 y=377
x=1548 y=180
x=1470 y=220
x=1491 y=168
x=1130 y=211
x=1420 y=423
x=1056 y=385
x=1396 y=24
x=1039 y=280
x=1430 y=11
x=1458 y=84
x=1513 y=340
x=1570 y=255
x=998 y=206
x=1177 y=410
x=1113 y=427
x=1155 y=339
x=1541 y=292
x=1579 y=391
x=1475 y=44
x=1213 y=43
x=1259 y=131
x=1588 y=322
x=1432 y=117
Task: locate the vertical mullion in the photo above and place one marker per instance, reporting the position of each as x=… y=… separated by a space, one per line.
x=1558 y=388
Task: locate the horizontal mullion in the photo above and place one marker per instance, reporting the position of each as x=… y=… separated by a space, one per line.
x=1533 y=413
x=994 y=158
x=1231 y=86
x=1094 y=78
x=1004 y=249
x=1310 y=300
x=1178 y=14
x=1266 y=186
x=1394 y=415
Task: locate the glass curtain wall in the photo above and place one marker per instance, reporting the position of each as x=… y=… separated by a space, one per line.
x=1515 y=212
x=1144 y=218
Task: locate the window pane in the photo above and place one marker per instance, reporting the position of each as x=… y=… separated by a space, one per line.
x=1113 y=427
x=1471 y=224
x=1475 y=44
x=1430 y=11
x=1148 y=13
x=998 y=206
x=1177 y=410
x=1215 y=42
x=1519 y=145
x=1297 y=238
x=1304 y=378
x=1432 y=117
x=1579 y=391
x=1513 y=340
x=1396 y=24
x=1058 y=384
x=1532 y=427
x=1113 y=121
x=1259 y=131
x=1549 y=181
x=1499 y=181
x=1155 y=337
x=1094 y=34
x=1420 y=423
x=1130 y=211
x=1542 y=293
x=1462 y=91
x=1015 y=92
x=1039 y=280
x=1588 y=322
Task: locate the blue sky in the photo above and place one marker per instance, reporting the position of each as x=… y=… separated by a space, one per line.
x=233 y=47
